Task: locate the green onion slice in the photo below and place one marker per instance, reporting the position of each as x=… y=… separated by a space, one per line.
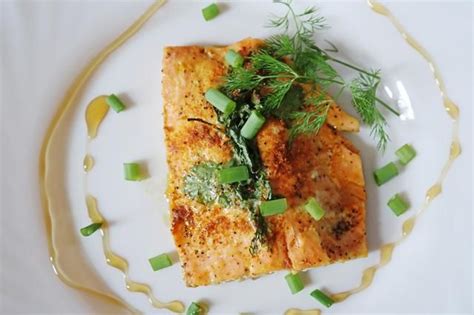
x=386 y=173
x=314 y=209
x=294 y=282
x=253 y=124
x=234 y=59
x=132 y=171
x=273 y=207
x=322 y=298
x=233 y=174
x=405 y=154
x=113 y=101
x=160 y=262
x=210 y=12
x=220 y=101
x=194 y=309
x=90 y=229
x=398 y=205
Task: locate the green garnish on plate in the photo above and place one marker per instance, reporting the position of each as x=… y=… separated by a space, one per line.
x=293 y=58
x=160 y=262
x=210 y=12
x=90 y=229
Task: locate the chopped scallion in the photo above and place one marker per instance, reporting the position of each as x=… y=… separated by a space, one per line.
x=90 y=229
x=233 y=174
x=113 y=101
x=273 y=207
x=322 y=298
x=294 y=282
x=194 y=309
x=160 y=262
x=210 y=12
x=234 y=59
x=314 y=209
x=220 y=101
x=405 y=154
x=132 y=171
x=398 y=205
x=386 y=173
x=253 y=124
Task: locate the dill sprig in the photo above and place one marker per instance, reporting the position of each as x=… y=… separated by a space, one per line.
x=312 y=119
x=364 y=97
x=293 y=58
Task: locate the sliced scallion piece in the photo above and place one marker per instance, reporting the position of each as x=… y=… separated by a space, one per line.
x=132 y=171
x=398 y=205
x=90 y=229
x=210 y=12
x=220 y=101
x=160 y=262
x=405 y=154
x=294 y=282
x=386 y=173
x=273 y=207
x=322 y=298
x=115 y=103
x=253 y=124
x=194 y=309
x=234 y=59
x=314 y=209
x=233 y=174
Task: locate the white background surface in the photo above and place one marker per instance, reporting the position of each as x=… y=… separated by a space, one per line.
x=44 y=44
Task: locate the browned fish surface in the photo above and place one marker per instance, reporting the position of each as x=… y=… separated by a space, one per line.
x=213 y=243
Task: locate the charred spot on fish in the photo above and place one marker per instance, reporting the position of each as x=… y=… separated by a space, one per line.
x=340 y=228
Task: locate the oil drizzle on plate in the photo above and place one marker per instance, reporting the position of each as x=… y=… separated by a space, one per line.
x=88 y=163
x=69 y=100
x=121 y=264
x=435 y=189
x=95 y=113
x=296 y=311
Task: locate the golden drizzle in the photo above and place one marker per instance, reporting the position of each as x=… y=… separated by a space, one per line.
x=88 y=163
x=453 y=111
x=95 y=113
x=121 y=264
x=296 y=311
x=68 y=101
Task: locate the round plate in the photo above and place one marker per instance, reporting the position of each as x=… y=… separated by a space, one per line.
x=138 y=211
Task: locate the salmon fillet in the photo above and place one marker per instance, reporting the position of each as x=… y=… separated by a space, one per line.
x=212 y=242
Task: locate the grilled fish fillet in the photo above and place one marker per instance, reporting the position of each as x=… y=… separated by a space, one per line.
x=213 y=243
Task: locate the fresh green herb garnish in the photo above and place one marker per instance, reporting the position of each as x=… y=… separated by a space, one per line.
x=405 y=154
x=116 y=103
x=364 y=97
x=210 y=12
x=322 y=298
x=398 y=205
x=132 y=172
x=293 y=58
x=313 y=207
x=195 y=309
x=385 y=173
x=90 y=229
x=160 y=262
x=272 y=207
x=295 y=283
x=202 y=184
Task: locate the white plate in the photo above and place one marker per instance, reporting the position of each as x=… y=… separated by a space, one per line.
x=435 y=262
